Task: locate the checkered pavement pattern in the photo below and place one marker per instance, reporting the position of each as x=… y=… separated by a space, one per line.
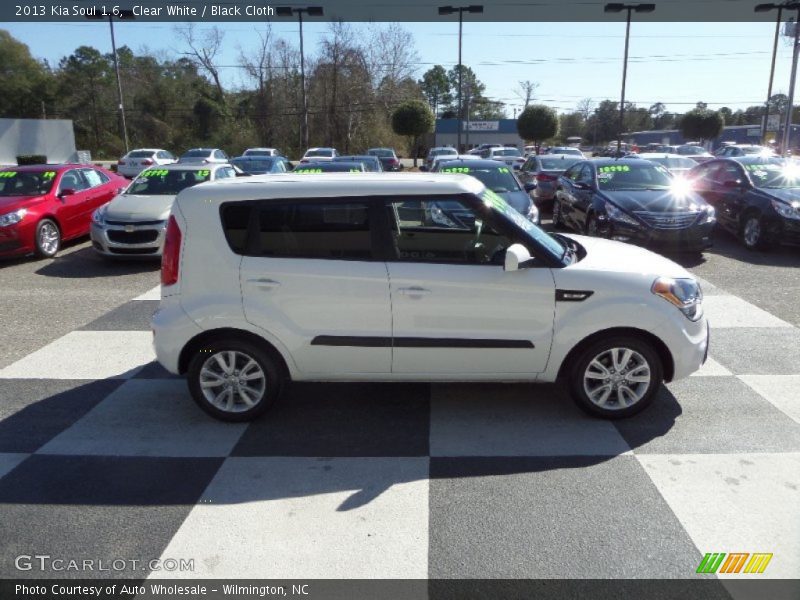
x=104 y=454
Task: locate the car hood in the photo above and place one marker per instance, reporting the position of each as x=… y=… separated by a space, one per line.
x=11 y=203
x=127 y=207
x=787 y=195
x=655 y=201
x=618 y=257
x=519 y=201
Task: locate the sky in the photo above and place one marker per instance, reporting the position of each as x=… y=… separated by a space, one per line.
x=679 y=64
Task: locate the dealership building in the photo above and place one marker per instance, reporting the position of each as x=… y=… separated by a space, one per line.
x=738 y=134
x=475 y=133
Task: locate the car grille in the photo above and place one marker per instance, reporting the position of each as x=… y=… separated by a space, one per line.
x=123 y=223
x=133 y=250
x=667 y=220
x=143 y=236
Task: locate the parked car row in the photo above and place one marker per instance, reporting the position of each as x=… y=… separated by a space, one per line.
x=755 y=197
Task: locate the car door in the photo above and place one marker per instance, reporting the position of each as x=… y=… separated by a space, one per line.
x=456 y=313
x=71 y=207
x=98 y=192
x=733 y=186
x=312 y=281
x=565 y=194
x=583 y=193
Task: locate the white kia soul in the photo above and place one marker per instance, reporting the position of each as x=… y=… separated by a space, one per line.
x=409 y=277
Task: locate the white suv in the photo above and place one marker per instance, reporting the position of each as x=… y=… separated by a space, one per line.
x=307 y=277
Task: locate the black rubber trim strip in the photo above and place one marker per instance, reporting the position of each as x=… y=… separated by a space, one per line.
x=572 y=295
x=416 y=342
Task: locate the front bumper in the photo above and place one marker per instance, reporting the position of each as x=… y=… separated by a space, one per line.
x=692 y=238
x=17 y=240
x=687 y=342
x=135 y=239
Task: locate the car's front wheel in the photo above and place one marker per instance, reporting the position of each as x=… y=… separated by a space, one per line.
x=752 y=232
x=615 y=378
x=234 y=380
x=48 y=239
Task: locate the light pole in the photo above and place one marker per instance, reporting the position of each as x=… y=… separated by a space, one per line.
x=120 y=14
x=311 y=11
x=615 y=8
x=449 y=10
x=767 y=8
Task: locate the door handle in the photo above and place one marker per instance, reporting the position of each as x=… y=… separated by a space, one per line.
x=414 y=291
x=265 y=283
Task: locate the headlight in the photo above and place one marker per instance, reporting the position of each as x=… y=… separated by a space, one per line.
x=685 y=294
x=12 y=218
x=533 y=213
x=616 y=214
x=709 y=215
x=787 y=211
x=438 y=217
x=99 y=216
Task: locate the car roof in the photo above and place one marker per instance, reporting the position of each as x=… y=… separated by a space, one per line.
x=559 y=156
x=344 y=157
x=145 y=150
x=186 y=167
x=603 y=162
x=661 y=155
x=259 y=148
x=330 y=186
x=321 y=148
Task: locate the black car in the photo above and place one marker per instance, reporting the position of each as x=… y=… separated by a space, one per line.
x=371 y=163
x=260 y=165
x=330 y=167
x=633 y=200
x=497 y=177
x=388 y=157
x=756 y=197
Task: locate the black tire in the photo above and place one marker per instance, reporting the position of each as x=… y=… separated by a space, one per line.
x=615 y=410
x=47 y=240
x=558 y=222
x=274 y=379
x=752 y=239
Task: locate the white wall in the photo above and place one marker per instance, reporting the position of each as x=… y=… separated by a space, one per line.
x=55 y=138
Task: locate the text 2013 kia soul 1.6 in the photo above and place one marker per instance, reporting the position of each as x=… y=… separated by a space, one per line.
x=347 y=278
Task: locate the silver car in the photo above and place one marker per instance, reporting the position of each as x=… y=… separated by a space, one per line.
x=204 y=156
x=133 y=223
x=137 y=160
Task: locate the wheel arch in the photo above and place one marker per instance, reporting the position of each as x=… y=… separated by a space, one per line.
x=206 y=337
x=667 y=361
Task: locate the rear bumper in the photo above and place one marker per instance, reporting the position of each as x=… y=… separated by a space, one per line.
x=172 y=330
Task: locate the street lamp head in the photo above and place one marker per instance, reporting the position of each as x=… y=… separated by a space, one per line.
x=614 y=7
x=446 y=10
x=644 y=8
x=314 y=11
x=765 y=7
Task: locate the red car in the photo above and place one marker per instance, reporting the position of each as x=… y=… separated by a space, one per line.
x=43 y=205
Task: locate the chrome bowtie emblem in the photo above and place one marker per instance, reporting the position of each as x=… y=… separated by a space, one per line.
x=129 y=228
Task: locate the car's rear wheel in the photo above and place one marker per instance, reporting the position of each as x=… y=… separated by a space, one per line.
x=616 y=378
x=48 y=238
x=234 y=380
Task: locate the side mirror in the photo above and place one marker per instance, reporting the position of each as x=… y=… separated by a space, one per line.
x=66 y=192
x=529 y=187
x=516 y=257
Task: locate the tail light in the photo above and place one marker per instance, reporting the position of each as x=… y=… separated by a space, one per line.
x=392 y=161
x=170 y=258
x=545 y=177
x=147 y=162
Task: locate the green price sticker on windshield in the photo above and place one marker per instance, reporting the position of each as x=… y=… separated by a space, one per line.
x=493 y=200
x=456 y=170
x=49 y=174
x=202 y=172
x=8 y=174
x=503 y=169
x=307 y=171
x=614 y=169
x=155 y=173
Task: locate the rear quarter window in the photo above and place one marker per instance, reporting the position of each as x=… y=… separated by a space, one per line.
x=235 y=220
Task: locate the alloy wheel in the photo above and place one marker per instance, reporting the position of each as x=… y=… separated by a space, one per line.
x=617 y=378
x=232 y=381
x=48 y=238
x=752 y=232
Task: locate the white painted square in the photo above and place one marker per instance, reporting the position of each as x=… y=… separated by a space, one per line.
x=153 y=417
x=711 y=369
x=783 y=391
x=735 y=503
x=515 y=420
x=154 y=294
x=9 y=461
x=86 y=355
x=732 y=311
x=309 y=518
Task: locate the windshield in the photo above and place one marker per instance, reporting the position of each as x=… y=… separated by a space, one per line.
x=259 y=153
x=632 y=177
x=163 y=182
x=498 y=179
x=556 y=164
x=197 y=153
x=506 y=152
x=534 y=232
x=442 y=151
x=26 y=183
x=381 y=152
x=319 y=153
x=691 y=150
x=253 y=165
x=774 y=173
x=673 y=162
x=141 y=154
